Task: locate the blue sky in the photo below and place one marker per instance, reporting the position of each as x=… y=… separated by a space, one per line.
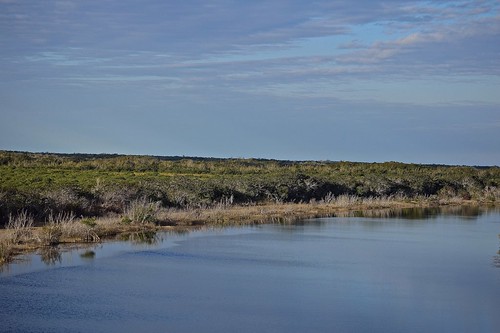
x=410 y=81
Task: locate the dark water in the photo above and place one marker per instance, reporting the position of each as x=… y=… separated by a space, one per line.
x=417 y=273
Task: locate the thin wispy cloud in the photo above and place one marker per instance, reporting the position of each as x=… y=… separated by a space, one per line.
x=171 y=55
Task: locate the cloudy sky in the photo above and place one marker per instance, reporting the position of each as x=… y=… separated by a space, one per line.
x=366 y=80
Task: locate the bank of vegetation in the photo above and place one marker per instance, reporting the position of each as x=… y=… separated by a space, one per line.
x=46 y=199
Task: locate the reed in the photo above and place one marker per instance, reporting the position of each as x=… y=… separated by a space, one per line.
x=6 y=251
x=20 y=227
x=141 y=211
x=146 y=217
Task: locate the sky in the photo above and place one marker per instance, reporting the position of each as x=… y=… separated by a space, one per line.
x=366 y=80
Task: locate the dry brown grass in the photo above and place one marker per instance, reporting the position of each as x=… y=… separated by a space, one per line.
x=20 y=227
x=142 y=211
x=6 y=250
x=224 y=215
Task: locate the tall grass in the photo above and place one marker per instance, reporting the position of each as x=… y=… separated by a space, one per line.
x=20 y=227
x=141 y=211
x=57 y=226
x=65 y=226
x=6 y=251
x=19 y=231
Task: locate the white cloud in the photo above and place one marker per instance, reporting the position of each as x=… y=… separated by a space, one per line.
x=255 y=46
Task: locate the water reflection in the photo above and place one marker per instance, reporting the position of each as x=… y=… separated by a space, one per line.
x=417 y=213
x=88 y=255
x=496 y=259
x=144 y=237
x=50 y=255
x=406 y=216
x=329 y=275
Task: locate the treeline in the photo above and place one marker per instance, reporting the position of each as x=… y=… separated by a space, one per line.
x=96 y=185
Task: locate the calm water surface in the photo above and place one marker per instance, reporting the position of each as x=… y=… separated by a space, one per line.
x=355 y=274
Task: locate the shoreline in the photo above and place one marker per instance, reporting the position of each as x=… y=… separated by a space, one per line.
x=67 y=230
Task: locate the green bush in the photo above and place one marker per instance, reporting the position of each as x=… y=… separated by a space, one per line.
x=95 y=185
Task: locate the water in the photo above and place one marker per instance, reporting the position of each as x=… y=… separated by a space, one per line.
x=421 y=273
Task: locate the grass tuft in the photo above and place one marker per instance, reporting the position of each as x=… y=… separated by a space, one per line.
x=141 y=211
x=20 y=227
x=6 y=251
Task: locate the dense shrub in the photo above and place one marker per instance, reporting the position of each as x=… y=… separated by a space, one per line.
x=95 y=185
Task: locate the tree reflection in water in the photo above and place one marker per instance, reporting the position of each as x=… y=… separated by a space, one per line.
x=496 y=259
x=145 y=237
x=415 y=213
x=50 y=255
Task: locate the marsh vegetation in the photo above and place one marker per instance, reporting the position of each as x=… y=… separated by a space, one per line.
x=48 y=199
